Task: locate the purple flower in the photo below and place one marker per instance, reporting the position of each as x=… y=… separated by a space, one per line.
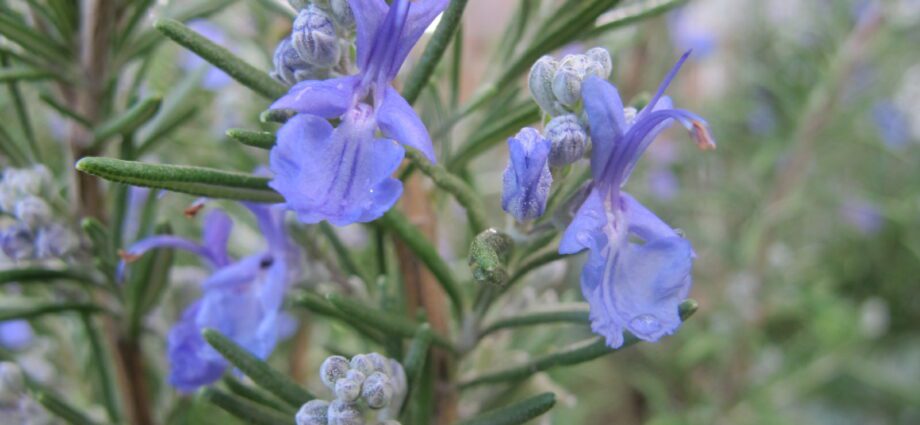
x=688 y=32
x=241 y=299
x=862 y=215
x=630 y=286
x=527 y=178
x=15 y=334
x=343 y=174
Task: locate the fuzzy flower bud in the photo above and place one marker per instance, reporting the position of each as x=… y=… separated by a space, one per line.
x=342 y=13
x=541 y=84
x=313 y=412
x=17 y=242
x=290 y=68
x=333 y=369
x=32 y=211
x=349 y=388
x=567 y=138
x=369 y=363
x=489 y=254
x=342 y=413
x=55 y=241
x=377 y=391
x=314 y=37
x=600 y=57
x=527 y=179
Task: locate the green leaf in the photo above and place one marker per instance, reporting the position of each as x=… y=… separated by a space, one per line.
x=245 y=410
x=150 y=38
x=30 y=40
x=33 y=311
x=386 y=322
x=490 y=135
x=517 y=413
x=65 y=111
x=255 y=395
x=344 y=256
x=128 y=121
x=237 y=68
x=320 y=306
x=463 y=193
x=577 y=353
x=148 y=281
x=422 y=248
x=258 y=139
x=631 y=14
x=421 y=73
x=414 y=362
x=39 y=275
x=24 y=73
x=260 y=372
x=576 y=315
x=61 y=408
x=102 y=364
x=197 y=181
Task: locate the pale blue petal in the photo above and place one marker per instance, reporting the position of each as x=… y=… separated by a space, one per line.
x=325 y=98
x=585 y=231
x=398 y=121
x=527 y=178
x=188 y=368
x=368 y=16
x=216 y=233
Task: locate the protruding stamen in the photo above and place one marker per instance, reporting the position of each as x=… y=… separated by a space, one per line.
x=193 y=209
x=127 y=256
x=701 y=135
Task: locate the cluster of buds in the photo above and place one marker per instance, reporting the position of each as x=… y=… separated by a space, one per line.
x=321 y=36
x=556 y=87
x=27 y=231
x=367 y=380
x=16 y=407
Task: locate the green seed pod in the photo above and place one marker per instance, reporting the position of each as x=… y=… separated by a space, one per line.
x=489 y=254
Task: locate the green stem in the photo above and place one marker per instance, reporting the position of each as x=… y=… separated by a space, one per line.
x=454 y=185
x=247 y=411
x=434 y=51
x=517 y=413
x=538 y=318
x=388 y=323
x=102 y=366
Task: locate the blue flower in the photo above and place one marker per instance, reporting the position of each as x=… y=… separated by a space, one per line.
x=343 y=174
x=241 y=299
x=15 y=334
x=527 y=178
x=638 y=270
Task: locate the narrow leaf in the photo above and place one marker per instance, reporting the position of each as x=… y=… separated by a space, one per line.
x=240 y=70
x=127 y=121
x=414 y=361
x=32 y=41
x=416 y=241
x=245 y=410
x=33 y=311
x=260 y=372
x=576 y=315
x=197 y=181
x=65 y=111
x=24 y=73
x=631 y=14
x=420 y=75
x=255 y=395
x=454 y=185
x=489 y=136
x=148 y=280
x=386 y=322
x=61 y=408
x=103 y=367
x=258 y=139
x=517 y=413
x=575 y=354
x=41 y=275
x=322 y=307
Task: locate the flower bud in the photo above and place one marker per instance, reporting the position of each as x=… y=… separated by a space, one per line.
x=489 y=254
x=313 y=412
x=527 y=179
x=342 y=413
x=349 y=388
x=380 y=362
x=541 y=85
x=342 y=13
x=377 y=390
x=11 y=383
x=567 y=86
x=55 y=241
x=567 y=139
x=333 y=369
x=32 y=211
x=600 y=57
x=17 y=242
x=398 y=378
x=314 y=37
x=290 y=68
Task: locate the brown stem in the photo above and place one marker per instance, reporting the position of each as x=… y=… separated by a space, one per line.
x=132 y=361
x=423 y=291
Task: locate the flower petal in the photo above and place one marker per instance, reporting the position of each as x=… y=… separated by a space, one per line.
x=216 y=233
x=188 y=369
x=585 y=230
x=368 y=16
x=643 y=222
x=527 y=179
x=343 y=178
x=607 y=121
x=421 y=14
x=325 y=98
x=399 y=122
